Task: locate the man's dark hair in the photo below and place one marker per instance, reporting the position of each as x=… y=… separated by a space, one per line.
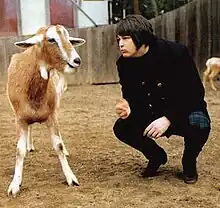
x=138 y=27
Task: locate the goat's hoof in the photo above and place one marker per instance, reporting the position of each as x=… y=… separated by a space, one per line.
x=72 y=180
x=75 y=184
x=13 y=190
x=32 y=149
x=66 y=153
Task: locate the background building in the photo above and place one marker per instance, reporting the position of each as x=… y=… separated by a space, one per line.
x=24 y=17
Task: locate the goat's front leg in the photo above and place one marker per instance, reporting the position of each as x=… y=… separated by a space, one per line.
x=22 y=133
x=30 y=141
x=57 y=143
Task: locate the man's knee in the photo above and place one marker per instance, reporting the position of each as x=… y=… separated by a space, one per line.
x=119 y=128
x=124 y=129
x=198 y=132
x=116 y=128
x=200 y=121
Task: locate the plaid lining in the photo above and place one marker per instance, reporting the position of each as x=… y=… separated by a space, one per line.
x=198 y=118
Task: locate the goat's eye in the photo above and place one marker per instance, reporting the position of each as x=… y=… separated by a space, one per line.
x=52 y=40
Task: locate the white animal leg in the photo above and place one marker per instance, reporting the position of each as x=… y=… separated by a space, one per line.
x=205 y=76
x=58 y=146
x=30 y=141
x=22 y=133
x=65 y=152
x=212 y=76
x=64 y=147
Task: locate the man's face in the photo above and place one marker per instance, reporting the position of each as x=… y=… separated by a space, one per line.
x=128 y=48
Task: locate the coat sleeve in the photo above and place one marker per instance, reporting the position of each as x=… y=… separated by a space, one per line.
x=186 y=91
x=125 y=92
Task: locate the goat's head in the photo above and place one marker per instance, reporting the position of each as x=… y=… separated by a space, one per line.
x=57 y=49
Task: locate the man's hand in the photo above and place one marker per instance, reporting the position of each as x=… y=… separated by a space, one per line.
x=122 y=108
x=157 y=128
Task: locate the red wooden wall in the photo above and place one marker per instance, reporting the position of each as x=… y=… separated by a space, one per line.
x=8 y=17
x=61 y=12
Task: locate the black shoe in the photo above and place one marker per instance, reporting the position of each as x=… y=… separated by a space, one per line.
x=190 y=175
x=152 y=167
x=190 y=179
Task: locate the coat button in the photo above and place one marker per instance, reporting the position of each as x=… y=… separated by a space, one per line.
x=150 y=105
x=148 y=94
x=159 y=84
x=143 y=83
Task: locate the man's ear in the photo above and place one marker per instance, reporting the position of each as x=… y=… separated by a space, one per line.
x=29 y=42
x=76 y=41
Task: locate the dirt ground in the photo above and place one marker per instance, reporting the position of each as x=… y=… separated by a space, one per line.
x=109 y=171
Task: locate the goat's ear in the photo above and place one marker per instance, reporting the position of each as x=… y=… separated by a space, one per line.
x=76 y=41
x=29 y=42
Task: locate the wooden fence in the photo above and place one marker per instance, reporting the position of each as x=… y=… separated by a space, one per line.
x=195 y=24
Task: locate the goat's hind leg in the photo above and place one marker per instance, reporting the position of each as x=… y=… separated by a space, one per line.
x=57 y=143
x=30 y=141
x=205 y=76
x=22 y=133
x=65 y=152
x=212 y=77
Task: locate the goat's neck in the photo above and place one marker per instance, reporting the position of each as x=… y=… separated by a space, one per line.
x=37 y=85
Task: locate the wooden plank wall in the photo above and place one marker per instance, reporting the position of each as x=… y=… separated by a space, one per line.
x=195 y=24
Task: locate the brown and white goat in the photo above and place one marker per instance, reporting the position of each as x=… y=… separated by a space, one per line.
x=32 y=92
x=211 y=72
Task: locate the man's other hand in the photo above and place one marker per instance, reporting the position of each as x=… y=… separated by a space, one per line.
x=157 y=128
x=122 y=108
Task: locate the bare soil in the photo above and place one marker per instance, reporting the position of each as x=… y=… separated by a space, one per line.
x=109 y=171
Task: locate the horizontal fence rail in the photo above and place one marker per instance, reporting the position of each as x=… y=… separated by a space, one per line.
x=195 y=25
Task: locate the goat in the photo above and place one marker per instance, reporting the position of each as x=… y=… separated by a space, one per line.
x=211 y=72
x=32 y=92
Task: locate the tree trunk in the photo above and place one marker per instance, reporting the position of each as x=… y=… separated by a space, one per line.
x=154 y=7
x=136 y=6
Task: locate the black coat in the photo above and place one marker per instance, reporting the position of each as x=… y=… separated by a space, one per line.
x=163 y=82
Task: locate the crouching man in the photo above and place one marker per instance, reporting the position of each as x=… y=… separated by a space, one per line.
x=162 y=95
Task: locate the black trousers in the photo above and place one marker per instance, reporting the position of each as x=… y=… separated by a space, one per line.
x=130 y=131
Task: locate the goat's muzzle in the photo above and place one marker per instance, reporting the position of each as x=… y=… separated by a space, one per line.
x=76 y=63
x=70 y=65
